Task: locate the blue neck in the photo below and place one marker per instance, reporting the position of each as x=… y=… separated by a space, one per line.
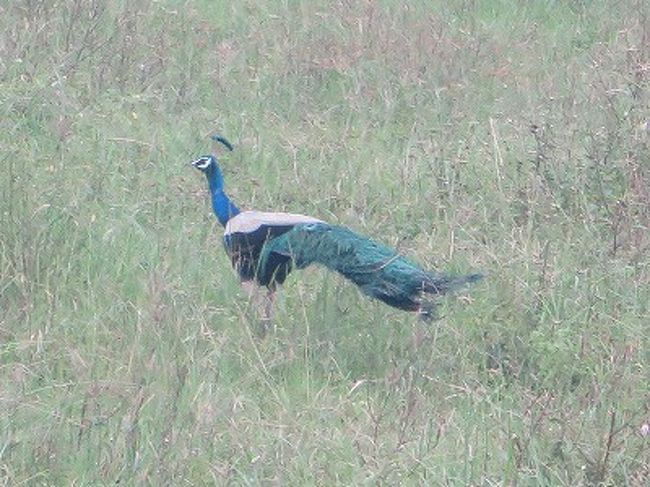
x=221 y=204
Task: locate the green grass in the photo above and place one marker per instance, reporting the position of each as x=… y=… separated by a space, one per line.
x=474 y=135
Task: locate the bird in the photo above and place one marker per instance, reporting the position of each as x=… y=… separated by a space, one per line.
x=265 y=247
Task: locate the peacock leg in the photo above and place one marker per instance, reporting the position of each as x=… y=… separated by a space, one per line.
x=250 y=287
x=266 y=311
x=253 y=294
x=261 y=304
x=269 y=303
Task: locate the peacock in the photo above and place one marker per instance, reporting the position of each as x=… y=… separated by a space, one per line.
x=264 y=247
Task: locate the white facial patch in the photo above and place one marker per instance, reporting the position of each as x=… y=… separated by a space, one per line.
x=202 y=163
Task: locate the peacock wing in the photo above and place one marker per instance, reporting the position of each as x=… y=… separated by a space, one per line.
x=377 y=269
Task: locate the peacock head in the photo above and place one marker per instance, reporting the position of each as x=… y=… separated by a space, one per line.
x=209 y=166
x=206 y=164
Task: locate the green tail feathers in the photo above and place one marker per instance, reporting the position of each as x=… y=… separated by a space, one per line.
x=378 y=270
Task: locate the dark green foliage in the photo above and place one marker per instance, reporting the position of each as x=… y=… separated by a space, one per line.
x=378 y=270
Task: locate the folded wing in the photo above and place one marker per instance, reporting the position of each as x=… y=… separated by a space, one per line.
x=378 y=270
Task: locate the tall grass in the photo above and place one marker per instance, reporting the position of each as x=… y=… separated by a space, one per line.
x=511 y=138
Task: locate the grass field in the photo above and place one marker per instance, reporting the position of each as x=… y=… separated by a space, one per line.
x=507 y=137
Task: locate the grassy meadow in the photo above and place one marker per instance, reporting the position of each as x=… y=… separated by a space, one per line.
x=507 y=137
